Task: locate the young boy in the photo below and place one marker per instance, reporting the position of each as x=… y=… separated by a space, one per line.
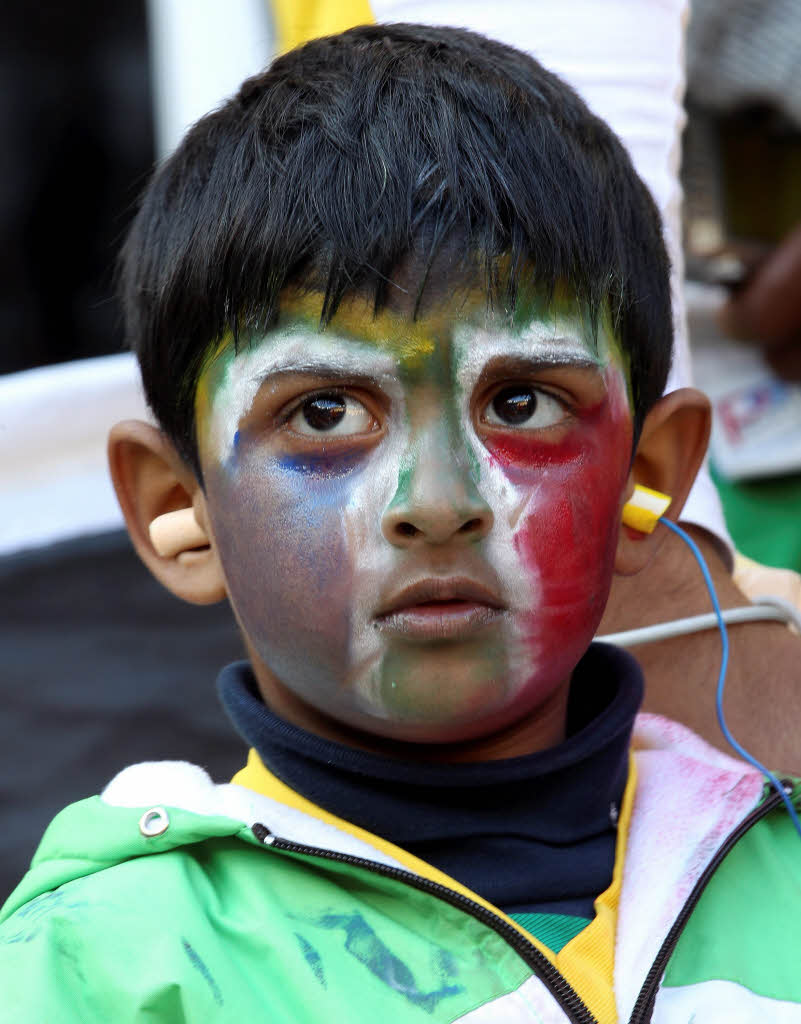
x=402 y=313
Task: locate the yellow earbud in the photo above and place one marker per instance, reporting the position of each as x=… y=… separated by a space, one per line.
x=175 y=532
x=645 y=508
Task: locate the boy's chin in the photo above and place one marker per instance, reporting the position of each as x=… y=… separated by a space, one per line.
x=449 y=695
x=449 y=704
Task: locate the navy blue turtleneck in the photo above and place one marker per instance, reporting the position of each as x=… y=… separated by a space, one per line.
x=535 y=835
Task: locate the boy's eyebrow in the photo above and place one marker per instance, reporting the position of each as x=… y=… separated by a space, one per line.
x=541 y=361
x=329 y=357
x=330 y=371
x=555 y=348
x=530 y=359
x=538 y=346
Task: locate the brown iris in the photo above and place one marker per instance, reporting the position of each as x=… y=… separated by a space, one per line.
x=514 y=405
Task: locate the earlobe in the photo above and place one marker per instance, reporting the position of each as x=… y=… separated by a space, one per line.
x=670 y=451
x=165 y=513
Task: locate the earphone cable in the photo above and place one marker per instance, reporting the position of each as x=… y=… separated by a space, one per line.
x=724 y=664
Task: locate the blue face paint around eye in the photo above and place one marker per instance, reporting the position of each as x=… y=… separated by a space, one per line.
x=323 y=464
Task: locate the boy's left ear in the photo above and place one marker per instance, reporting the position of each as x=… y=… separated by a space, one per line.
x=165 y=512
x=672 y=446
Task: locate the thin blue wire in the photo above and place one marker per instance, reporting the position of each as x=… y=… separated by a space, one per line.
x=724 y=664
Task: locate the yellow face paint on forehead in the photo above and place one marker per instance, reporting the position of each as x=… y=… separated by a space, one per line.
x=408 y=341
x=211 y=374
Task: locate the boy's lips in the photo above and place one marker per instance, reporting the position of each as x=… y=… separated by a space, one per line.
x=439 y=608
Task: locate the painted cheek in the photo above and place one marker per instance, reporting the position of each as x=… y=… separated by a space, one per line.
x=567 y=535
x=281 y=538
x=522 y=458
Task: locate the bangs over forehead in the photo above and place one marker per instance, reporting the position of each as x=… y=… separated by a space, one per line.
x=355 y=151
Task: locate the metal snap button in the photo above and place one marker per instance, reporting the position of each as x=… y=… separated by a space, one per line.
x=154 y=822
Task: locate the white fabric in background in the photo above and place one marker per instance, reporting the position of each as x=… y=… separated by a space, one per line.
x=201 y=51
x=54 y=482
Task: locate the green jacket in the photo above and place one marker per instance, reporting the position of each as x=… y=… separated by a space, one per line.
x=170 y=899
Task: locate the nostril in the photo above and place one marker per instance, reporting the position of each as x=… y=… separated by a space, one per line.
x=435 y=525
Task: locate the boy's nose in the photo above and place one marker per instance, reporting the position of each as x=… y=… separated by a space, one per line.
x=439 y=503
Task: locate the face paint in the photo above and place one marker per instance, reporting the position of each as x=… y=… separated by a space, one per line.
x=417 y=521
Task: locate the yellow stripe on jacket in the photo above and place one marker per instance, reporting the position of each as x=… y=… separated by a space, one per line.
x=586 y=962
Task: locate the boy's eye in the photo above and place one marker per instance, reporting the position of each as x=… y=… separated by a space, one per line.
x=332 y=414
x=521 y=405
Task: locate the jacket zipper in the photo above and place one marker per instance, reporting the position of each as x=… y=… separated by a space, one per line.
x=568 y=999
x=644 y=1006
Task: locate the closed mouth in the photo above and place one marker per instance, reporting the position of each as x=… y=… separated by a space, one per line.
x=440 y=609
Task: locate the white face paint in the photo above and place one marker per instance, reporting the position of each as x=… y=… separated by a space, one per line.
x=415 y=535
x=287 y=351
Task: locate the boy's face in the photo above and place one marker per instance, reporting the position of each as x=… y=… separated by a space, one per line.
x=417 y=520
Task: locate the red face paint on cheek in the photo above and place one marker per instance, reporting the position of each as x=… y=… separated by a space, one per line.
x=567 y=534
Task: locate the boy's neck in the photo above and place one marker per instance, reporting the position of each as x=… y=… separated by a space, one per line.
x=542 y=728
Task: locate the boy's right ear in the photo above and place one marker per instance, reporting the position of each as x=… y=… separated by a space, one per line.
x=153 y=482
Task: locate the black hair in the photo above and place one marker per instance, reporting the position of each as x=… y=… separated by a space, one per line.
x=333 y=164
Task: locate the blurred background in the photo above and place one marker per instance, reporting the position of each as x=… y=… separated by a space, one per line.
x=741 y=173
x=99 y=667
